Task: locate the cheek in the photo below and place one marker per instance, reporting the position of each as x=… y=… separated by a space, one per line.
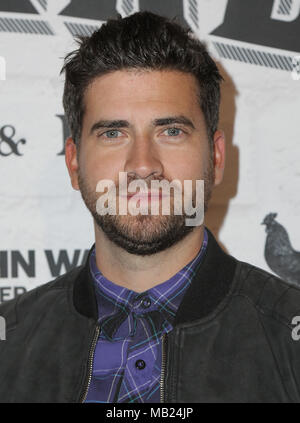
x=187 y=167
x=97 y=167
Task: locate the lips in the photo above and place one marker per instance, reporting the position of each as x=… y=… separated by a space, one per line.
x=142 y=196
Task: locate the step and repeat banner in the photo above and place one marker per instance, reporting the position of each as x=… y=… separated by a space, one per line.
x=44 y=225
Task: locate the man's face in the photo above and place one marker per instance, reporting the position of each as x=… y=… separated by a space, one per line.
x=162 y=136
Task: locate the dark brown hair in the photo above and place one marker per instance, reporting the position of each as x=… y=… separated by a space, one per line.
x=141 y=41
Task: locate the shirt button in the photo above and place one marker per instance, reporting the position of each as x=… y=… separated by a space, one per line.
x=140 y=364
x=146 y=303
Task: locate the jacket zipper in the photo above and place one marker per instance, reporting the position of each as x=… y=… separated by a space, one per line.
x=163 y=368
x=90 y=363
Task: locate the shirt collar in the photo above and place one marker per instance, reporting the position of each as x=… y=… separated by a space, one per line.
x=117 y=303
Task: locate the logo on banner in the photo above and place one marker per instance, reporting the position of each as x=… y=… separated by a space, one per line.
x=268 y=24
x=9 y=145
x=45 y=17
x=15 y=262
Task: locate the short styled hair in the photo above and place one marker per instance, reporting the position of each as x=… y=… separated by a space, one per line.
x=142 y=40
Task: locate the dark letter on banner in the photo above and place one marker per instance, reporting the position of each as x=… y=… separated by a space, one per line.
x=91 y=9
x=251 y=22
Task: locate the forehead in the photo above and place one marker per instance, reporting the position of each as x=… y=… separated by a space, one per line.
x=143 y=90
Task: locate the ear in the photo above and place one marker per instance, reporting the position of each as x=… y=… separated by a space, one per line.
x=219 y=156
x=72 y=162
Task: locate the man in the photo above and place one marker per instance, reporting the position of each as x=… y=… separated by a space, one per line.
x=159 y=312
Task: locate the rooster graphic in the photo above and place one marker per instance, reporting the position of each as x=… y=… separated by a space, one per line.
x=279 y=253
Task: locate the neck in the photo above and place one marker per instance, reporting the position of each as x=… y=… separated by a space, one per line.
x=140 y=273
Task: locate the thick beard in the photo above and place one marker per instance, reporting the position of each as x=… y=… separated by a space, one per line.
x=144 y=234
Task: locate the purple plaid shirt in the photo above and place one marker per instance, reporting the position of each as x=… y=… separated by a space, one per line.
x=127 y=359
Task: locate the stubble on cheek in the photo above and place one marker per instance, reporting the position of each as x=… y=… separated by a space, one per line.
x=143 y=234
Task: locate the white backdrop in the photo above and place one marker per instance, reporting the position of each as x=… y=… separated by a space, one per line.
x=44 y=225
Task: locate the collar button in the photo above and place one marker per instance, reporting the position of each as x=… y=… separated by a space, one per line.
x=146 y=302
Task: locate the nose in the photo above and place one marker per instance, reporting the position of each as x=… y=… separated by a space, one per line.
x=143 y=159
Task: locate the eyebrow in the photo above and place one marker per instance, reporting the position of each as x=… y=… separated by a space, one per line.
x=119 y=123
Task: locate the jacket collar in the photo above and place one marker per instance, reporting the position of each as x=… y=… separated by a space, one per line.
x=211 y=283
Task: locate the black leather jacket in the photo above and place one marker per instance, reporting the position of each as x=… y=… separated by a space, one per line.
x=232 y=340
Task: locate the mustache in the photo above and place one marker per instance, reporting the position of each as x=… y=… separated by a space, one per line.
x=146 y=182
